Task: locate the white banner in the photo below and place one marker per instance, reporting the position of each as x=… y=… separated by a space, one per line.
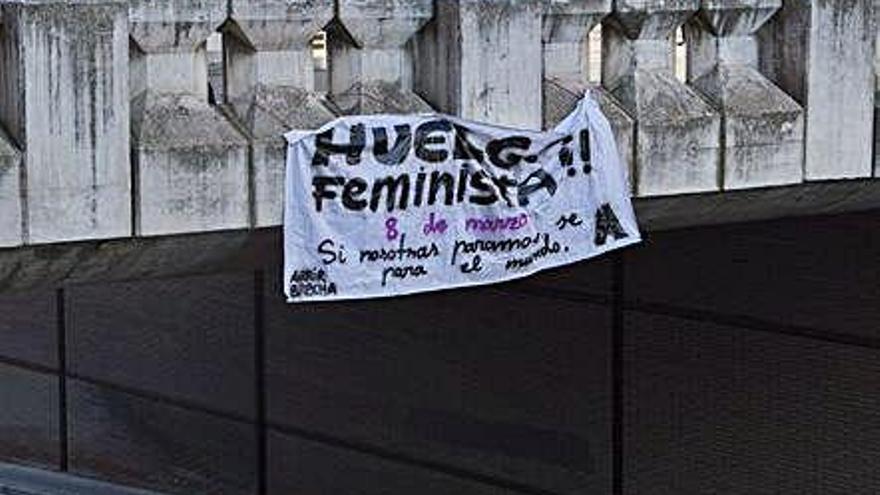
x=384 y=205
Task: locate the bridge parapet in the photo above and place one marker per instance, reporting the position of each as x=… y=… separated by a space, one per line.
x=189 y=163
x=678 y=132
x=64 y=102
x=10 y=204
x=270 y=86
x=820 y=53
x=110 y=130
x=371 y=64
x=763 y=128
x=566 y=29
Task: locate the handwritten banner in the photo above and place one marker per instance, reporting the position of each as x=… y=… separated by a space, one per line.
x=386 y=205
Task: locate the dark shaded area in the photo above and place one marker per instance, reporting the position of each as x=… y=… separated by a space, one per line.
x=821 y=274
x=151 y=443
x=28 y=417
x=189 y=339
x=486 y=380
x=746 y=360
x=27 y=328
x=298 y=465
x=717 y=409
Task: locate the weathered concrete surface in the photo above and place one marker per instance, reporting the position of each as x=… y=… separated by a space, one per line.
x=131 y=258
x=841 y=47
x=481 y=59
x=821 y=52
x=371 y=67
x=566 y=27
x=561 y=97
x=10 y=193
x=877 y=90
x=749 y=205
x=763 y=127
x=118 y=259
x=64 y=100
x=190 y=165
x=189 y=162
x=65 y=92
x=28 y=267
x=678 y=134
x=271 y=86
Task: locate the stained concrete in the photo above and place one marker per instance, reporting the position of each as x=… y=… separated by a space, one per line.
x=763 y=127
x=107 y=102
x=678 y=133
x=371 y=68
x=10 y=193
x=821 y=53
x=271 y=87
x=64 y=101
x=189 y=162
x=482 y=60
x=566 y=27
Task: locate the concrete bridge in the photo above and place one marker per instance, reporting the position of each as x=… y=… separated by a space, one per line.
x=141 y=167
x=113 y=130
x=110 y=131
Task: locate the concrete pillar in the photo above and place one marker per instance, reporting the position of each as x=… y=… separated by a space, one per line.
x=371 y=63
x=677 y=132
x=64 y=101
x=763 y=127
x=270 y=79
x=566 y=67
x=481 y=59
x=877 y=89
x=821 y=52
x=190 y=164
x=10 y=193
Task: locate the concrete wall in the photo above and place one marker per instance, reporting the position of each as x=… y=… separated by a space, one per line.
x=110 y=129
x=64 y=100
x=738 y=359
